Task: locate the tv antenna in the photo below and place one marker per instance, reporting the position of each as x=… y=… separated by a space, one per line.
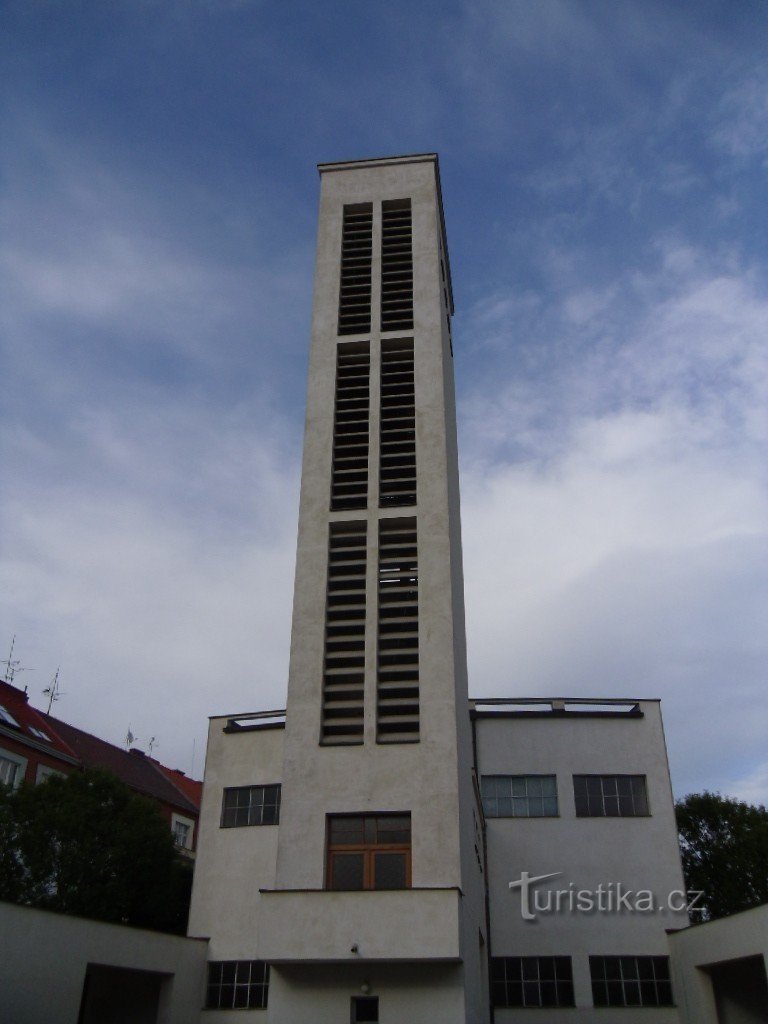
x=130 y=738
x=152 y=744
x=53 y=692
x=13 y=665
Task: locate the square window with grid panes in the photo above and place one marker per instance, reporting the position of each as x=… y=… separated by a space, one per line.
x=610 y=796
x=237 y=985
x=519 y=796
x=251 y=805
x=369 y=851
x=530 y=981
x=630 y=980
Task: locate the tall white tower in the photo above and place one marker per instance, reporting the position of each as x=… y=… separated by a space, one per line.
x=377 y=800
x=367 y=900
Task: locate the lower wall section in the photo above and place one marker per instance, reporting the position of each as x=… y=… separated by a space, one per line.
x=133 y=976
x=408 y=994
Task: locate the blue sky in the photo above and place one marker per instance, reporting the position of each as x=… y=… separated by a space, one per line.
x=603 y=167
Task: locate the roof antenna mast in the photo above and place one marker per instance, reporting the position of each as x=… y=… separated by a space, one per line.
x=53 y=692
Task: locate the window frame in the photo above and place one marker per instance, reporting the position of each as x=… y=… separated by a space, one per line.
x=21 y=768
x=585 y=799
x=258 y=986
x=354 y=1004
x=526 y=796
x=513 y=970
x=228 y=812
x=369 y=851
x=623 y=978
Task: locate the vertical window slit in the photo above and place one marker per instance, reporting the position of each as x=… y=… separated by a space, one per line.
x=344 y=662
x=397 y=469
x=356 y=253
x=396 y=266
x=397 y=689
x=349 y=479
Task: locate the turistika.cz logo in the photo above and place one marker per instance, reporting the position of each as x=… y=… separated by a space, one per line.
x=607 y=898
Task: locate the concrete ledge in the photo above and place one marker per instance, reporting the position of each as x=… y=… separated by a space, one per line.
x=321 y=926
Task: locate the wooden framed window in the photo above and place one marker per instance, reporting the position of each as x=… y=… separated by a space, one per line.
x=369 y=851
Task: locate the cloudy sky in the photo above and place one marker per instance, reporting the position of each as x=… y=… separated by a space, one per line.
x=604 y=173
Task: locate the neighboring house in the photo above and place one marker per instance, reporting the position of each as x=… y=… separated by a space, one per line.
x=30 y=747
x=34 y=744
x=177 y=796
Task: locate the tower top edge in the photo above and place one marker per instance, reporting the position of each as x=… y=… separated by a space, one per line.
x=379 y=161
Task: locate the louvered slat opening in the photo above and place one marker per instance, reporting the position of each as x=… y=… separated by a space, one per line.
x=397 y=467
x=396 y=266
x=356 y=253
x=344 y=662
x=349 y=478
x=397 y=688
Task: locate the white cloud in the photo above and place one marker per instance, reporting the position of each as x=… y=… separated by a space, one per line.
x=622 y=481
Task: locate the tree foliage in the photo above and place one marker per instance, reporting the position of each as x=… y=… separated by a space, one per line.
x=86 y=844
x=724 y=845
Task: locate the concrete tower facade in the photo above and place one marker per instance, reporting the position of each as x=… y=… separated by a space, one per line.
x=377 y=695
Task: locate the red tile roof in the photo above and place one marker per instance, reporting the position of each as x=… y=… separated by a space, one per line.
x=26 y=724
x=141 y=773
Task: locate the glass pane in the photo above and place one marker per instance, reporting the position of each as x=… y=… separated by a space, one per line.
x=534 y=785
x=626 y=806
x=241 y=997
x=628 y=967
x=548 y=993
x=347 y=871
x=664 y=989
x=365 y=1010
x=504 y=807
x=530 y=968
x=612 y=969
x=515 y=993
x=546 y=968
x=269 y=815
x=517 y=786
x=632 y=993
x=531 y=993
x=565 y=993
x=648 y=993
x=346 y=831
x=611 y=806
x=514 y=968
x=563 y=967
x=549 y=805
x=389 y=871
x=243 y=972
x=548 y=786
x=227 y=996
x=594 y=786
x=212 y=997
x=615 y=993
x=661 y=967
x=394 y=829
x=640 y=794
x=214 y=973
x=498 y=993
x=228 y=969
x=535 y=807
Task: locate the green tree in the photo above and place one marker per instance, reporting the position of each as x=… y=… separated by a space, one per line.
x=86 y=844
x=724 y=845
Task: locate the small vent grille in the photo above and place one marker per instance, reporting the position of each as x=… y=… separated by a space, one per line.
x=356 y=251
x=397 y=690
x=396 y=266
x=344 y=669
x=397 y=477
x=349 y=481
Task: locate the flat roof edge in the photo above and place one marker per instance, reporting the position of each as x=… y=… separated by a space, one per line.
x=378 y=161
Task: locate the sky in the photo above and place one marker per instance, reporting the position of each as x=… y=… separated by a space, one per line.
x=604 y=179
